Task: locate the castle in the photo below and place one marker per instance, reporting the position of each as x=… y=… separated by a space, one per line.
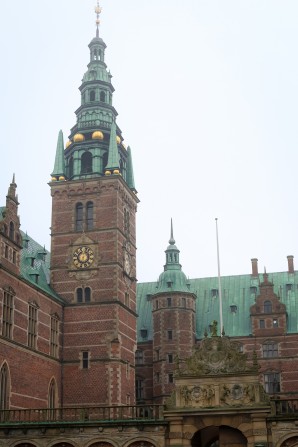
x=90 y=358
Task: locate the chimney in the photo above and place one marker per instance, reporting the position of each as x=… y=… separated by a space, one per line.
x=254 y=267
x=290 y=264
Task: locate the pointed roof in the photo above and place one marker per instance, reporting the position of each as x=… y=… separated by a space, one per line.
x=11 y=194
x=59 y=167
x=172 y=279
x=129 y=171
x=113 y=160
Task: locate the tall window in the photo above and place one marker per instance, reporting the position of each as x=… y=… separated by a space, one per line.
x=11 y=230
x=270 y=349
x=83 y=295
x=85 y=359
x=86 y=163
x=267 y=307
x=32 y=326
x=4 y=388
x=272 y=382
x=54 y=341
x=103 y=96
x=89 y=215
x=79 y=217
x=92 y=95
x=139 y=357
x=139 y=389
x=170 y=334
x=126 y=222
x=52 y=395
x=7 y=315
x=70 y=167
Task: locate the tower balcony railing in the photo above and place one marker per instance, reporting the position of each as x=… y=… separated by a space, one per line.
x=82 y=414
x=285 y=407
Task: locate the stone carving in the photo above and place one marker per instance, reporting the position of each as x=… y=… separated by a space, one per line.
x=197 y=396
x=216 y=355
x=237 y=394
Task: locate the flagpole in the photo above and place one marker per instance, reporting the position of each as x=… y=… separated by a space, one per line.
x=219 y=282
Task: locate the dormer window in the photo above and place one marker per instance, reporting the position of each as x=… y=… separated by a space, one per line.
x=11 y=230
x=214 y=293
x=144 y=333
x=267 y=307
x=233 y=309
x=169 y=284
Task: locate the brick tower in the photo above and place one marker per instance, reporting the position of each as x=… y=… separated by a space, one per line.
x=93 y=246
x=173 y=312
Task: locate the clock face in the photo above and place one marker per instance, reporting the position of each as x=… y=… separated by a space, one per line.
x=83 y=257
x=127 y=263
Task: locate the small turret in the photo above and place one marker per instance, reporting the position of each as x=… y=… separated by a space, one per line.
x=173 y=311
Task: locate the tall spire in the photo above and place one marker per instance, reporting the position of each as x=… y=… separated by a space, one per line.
x=113 y=160
x=11 y=194
x=129 y=174
x=59 y=168
x=172 y=240
x=98 y=10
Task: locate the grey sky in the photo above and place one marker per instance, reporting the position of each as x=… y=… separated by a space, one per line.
x=206 y=93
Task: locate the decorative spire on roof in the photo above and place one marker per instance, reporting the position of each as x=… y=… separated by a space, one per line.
x=59 y=168
x=172 y=240
x=11 y=194
x=129 y=171
x=98 y=10
x=113 y=160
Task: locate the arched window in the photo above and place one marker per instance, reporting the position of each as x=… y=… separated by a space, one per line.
x=83 y=295
x=87 y=293
x=86 y=163
x=105 y=159
x=267 y=307
x=70 y=167
x=102 y=96
x=79 y=217
x=92 y=95
x=11 y=230
x=52 y=399
x=5 y=229
x=4 y=388
x=89 y=215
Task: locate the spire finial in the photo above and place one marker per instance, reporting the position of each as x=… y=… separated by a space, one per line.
x=172 y=240
x=98 y=10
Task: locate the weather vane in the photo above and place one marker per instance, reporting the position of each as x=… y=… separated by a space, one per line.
x=98 y=10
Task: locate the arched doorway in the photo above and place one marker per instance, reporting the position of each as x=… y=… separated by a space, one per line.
x=291 y=442
x=222 y=436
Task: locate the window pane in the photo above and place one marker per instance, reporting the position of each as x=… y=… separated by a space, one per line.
x=79 y=217
x=89 y=215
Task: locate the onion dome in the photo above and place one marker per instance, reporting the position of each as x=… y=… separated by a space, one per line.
x=68 y=144
x=97 y=135
x=118 y=139
x=78 y=137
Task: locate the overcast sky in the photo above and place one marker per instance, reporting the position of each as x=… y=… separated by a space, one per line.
x=206 y=92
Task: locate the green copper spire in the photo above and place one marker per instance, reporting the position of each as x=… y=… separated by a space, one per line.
x=112 y=166
x=129 y=171
x=172 y=279
x=95 y=146
x=59 y=168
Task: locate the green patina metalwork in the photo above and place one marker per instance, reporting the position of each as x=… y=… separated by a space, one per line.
x=59 y=167
x=35 y=265
x=95 y=114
